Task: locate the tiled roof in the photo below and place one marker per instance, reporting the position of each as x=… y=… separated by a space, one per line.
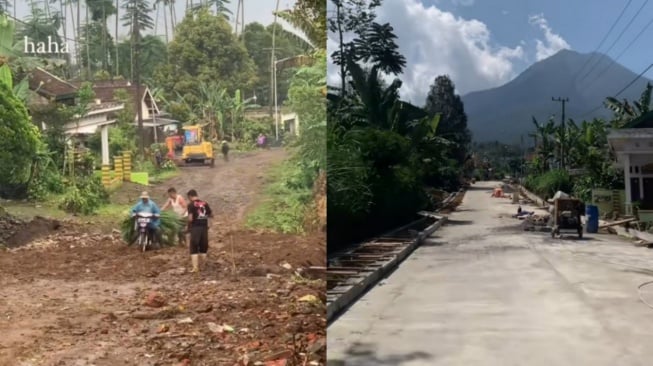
x=49 y=85
x=105 y=90
x=96 y=107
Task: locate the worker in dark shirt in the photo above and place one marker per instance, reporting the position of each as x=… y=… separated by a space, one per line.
x=199 y=213
x=225 y=150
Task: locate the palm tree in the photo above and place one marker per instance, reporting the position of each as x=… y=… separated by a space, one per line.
x=173 y=15
x=309 y=17
x=164 y=3
x=545 y=144
x=5 y=5
x=221 y=8
x=100 y=11
x=138 y=19
x=38 y=26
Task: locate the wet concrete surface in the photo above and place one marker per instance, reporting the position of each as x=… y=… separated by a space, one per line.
x=478 y=293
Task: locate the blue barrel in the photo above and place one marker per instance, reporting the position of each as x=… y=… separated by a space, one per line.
x=592 y=215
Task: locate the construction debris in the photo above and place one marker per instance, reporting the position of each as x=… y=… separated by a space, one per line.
x=616 y=223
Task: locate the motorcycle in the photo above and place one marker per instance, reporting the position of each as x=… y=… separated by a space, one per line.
x=146 y=235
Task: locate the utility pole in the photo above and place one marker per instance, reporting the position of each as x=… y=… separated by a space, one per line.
x=273 y=59
x=562 y=143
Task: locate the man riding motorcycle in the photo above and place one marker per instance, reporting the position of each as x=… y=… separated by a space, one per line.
x=145 y=205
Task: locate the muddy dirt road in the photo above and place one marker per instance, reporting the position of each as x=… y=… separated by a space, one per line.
x=87 y=299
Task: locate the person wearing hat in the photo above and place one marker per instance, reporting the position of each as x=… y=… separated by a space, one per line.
x=146 y=205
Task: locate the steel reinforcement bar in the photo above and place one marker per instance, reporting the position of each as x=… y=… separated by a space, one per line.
x=350 y=273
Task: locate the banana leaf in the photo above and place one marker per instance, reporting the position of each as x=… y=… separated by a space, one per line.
x=171 y=224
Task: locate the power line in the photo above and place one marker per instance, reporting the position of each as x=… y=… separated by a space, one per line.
x=618 y=38
x=613 y=62
x=605 y=37
x=634 y=80
x=620 y=91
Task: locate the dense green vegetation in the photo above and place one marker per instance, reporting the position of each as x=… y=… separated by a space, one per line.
x=575 y=158
x=383 y=153
x=289 y=199
x=200 y=71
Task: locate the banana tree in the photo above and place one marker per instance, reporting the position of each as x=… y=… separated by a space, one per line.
x=545 y=142
x=10 y=51
x=237 y=111
x=625 y=112
x=213 y=104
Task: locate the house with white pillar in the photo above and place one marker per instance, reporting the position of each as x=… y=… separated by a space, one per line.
x=102 y=113
x=633 y=147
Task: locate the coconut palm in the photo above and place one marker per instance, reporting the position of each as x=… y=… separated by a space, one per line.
x=138 y=19
x=309 y=17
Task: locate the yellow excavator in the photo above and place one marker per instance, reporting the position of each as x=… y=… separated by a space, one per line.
x=196 y=149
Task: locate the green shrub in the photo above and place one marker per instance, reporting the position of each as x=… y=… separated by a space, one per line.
x=20 y=139
x=85 y=196
x=48 y=182
x=547 y=184
x=285 y=202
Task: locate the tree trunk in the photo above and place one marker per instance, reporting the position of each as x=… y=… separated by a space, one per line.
x=88 y=47
x=165 y=24
x=139 y=105
x=173 y=21
x=342 y=50
x=116 y=40
x=79 y=26
x=74 y=23
x=156 y=20
x=64 y=22
x=105 y=52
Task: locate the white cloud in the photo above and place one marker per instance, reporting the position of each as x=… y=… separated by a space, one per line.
x=435 y=42
x=552 y=43
x=333 y=73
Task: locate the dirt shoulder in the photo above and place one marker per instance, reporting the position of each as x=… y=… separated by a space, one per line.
x=83 y=298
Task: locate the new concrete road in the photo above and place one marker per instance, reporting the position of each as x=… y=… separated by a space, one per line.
x=484 y=292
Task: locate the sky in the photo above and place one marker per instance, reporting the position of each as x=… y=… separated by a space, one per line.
x=483 y=44
x=255 y=11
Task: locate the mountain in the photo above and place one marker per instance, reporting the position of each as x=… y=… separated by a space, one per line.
x=505 y=113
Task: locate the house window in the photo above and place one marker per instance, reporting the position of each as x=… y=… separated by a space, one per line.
x=647 y=169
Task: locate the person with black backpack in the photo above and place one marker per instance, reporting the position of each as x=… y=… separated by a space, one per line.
x=199 y=213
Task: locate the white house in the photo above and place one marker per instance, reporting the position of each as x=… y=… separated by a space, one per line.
x=633 y=146
x=49 y=88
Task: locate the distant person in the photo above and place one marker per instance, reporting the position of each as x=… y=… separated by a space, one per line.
x=159 y=158
x=225 y=150
x=199 y=213
x=261 y=141
x=180 y=207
